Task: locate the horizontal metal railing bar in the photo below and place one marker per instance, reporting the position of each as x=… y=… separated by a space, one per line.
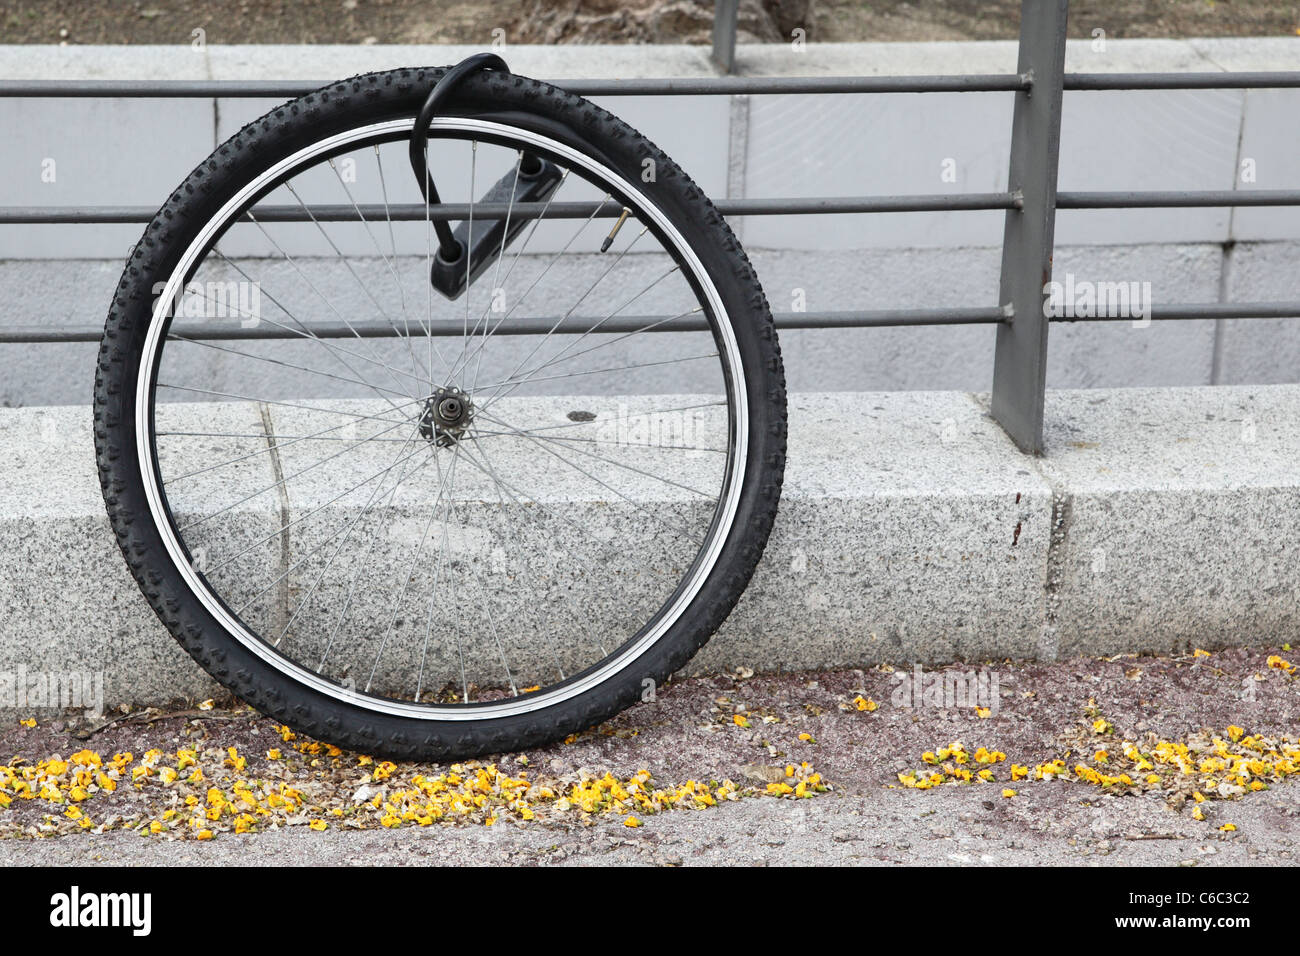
x=1230 y=80
x=215 y=330
x=1204 y=310
x=666 y=86
x=689 y=86
x=1128 y=199
x=940 y=202
x=415 y=212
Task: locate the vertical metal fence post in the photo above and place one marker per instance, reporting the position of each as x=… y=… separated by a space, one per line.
x=724 y=33
x=1020 y=361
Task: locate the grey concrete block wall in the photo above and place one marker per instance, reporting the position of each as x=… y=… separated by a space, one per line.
x=1178 y=512
x=911 y=530
x=67 y=601
x=761 y=146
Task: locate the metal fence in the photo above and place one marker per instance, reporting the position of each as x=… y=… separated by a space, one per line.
x=1030 y=202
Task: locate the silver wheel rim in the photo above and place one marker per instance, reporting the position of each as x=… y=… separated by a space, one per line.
x=606 y=670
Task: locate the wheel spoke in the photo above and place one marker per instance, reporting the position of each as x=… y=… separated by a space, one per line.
x=279 y=483
x=600 y=371
x=323 y=297
x=304 y=331
x=315 y=511
x=611 y=461
x=416 y=366
x=264 y=450
x=246 y=398
x=676 y=529
x=504 y=391
x=283 y=364
x=362 y=563
x=345 y=533
x=496 y=271
x=407 y=575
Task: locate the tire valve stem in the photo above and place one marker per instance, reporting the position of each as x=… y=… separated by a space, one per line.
x=609 y=240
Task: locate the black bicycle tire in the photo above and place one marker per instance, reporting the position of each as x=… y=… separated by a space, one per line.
x=341 y=106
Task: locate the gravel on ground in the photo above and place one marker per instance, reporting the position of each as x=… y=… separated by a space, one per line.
x=1125 y=760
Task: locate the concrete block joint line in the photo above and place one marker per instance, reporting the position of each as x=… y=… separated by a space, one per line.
x=1058 y=529
x=911 y=530
x=1048 y=649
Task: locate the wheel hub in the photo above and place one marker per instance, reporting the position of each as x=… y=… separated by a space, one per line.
x=446 y=415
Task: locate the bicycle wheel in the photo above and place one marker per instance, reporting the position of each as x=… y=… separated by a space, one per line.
x=429 y=526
